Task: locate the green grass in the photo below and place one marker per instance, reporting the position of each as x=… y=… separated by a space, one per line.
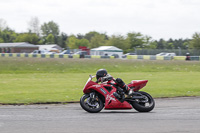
x=30 y=80
x=45 y=65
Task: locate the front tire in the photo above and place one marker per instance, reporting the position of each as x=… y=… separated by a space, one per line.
x=91 y=106
x=144 y=105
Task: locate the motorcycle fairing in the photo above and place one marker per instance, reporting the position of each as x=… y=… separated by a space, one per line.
x=110 y=101
x=137 y=84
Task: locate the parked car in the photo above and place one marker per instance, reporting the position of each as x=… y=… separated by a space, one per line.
x=170 y=54
x=161 y=54
x=166 y=54
x=81 y=52
x=125 y=55
x=39 y=52
x=130 y=54
x=42 y=52
x=65 y=52
x=115 y=55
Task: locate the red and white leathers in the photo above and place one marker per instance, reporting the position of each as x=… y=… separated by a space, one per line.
x=118 y=82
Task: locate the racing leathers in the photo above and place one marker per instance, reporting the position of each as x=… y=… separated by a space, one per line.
x=117 y=83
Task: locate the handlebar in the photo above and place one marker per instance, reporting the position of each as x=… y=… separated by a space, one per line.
x=91 y=76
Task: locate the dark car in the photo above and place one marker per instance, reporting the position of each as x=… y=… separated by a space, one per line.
x=115 y=55
x=81 y=53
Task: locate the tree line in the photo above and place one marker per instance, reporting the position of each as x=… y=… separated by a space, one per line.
x=49 y=33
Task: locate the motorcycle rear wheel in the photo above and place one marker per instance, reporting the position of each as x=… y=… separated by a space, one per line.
x=142 y=106
x=94 y=107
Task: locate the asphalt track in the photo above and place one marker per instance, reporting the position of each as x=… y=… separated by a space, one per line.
x=171 y=115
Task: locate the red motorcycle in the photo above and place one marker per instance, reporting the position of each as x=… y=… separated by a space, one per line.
x=97 y=96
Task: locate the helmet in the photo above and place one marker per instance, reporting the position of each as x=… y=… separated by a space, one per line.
x=101 y=73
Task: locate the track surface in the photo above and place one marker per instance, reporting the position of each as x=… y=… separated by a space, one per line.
x=171 y=115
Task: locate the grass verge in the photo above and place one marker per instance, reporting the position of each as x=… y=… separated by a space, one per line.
x=54 y=80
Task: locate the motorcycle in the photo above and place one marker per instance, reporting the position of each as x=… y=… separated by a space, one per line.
x=98 y=96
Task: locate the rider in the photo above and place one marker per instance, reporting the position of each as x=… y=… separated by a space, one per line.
x=103 y=76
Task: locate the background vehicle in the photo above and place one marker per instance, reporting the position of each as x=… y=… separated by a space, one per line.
x=39 y=52
x=125 y=55
x=115 y=55
x=65 y=52
x=161 y=54
x=166 y=54
x=43 y=52
x=170 y=54
x=96 y=96
x=130 y=54
x=81 y=53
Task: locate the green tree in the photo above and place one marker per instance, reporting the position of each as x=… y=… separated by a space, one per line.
x=91 y=34
x=83 y=42
x=186 y=44
x=62 y=38
x=74 y=43
x=80 y=36
x=1 y=40
x=151 y=45
x=7 y=35
x=161 y=44
x=173 y=44
x=97 y=40
x=50 y=28
x=118 y=41
x=169 y=44
x=148 y=42
x=195 y=42
x=27 y=37
x=71 y=42
x=135 y=39
x=50 y=39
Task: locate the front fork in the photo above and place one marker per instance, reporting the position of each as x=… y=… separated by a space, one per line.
x=91 y=101
x=92 y=95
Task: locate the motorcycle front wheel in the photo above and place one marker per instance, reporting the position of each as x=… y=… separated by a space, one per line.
x=144 y=105
x=91 y=105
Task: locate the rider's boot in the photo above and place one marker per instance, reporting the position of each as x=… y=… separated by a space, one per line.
x=128 y=91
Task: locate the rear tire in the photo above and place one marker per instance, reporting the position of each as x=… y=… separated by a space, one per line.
x=142 y=106
x=94 y=107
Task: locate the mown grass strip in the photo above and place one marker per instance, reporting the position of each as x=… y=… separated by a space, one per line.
x=70 y=65
x=35 y=80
